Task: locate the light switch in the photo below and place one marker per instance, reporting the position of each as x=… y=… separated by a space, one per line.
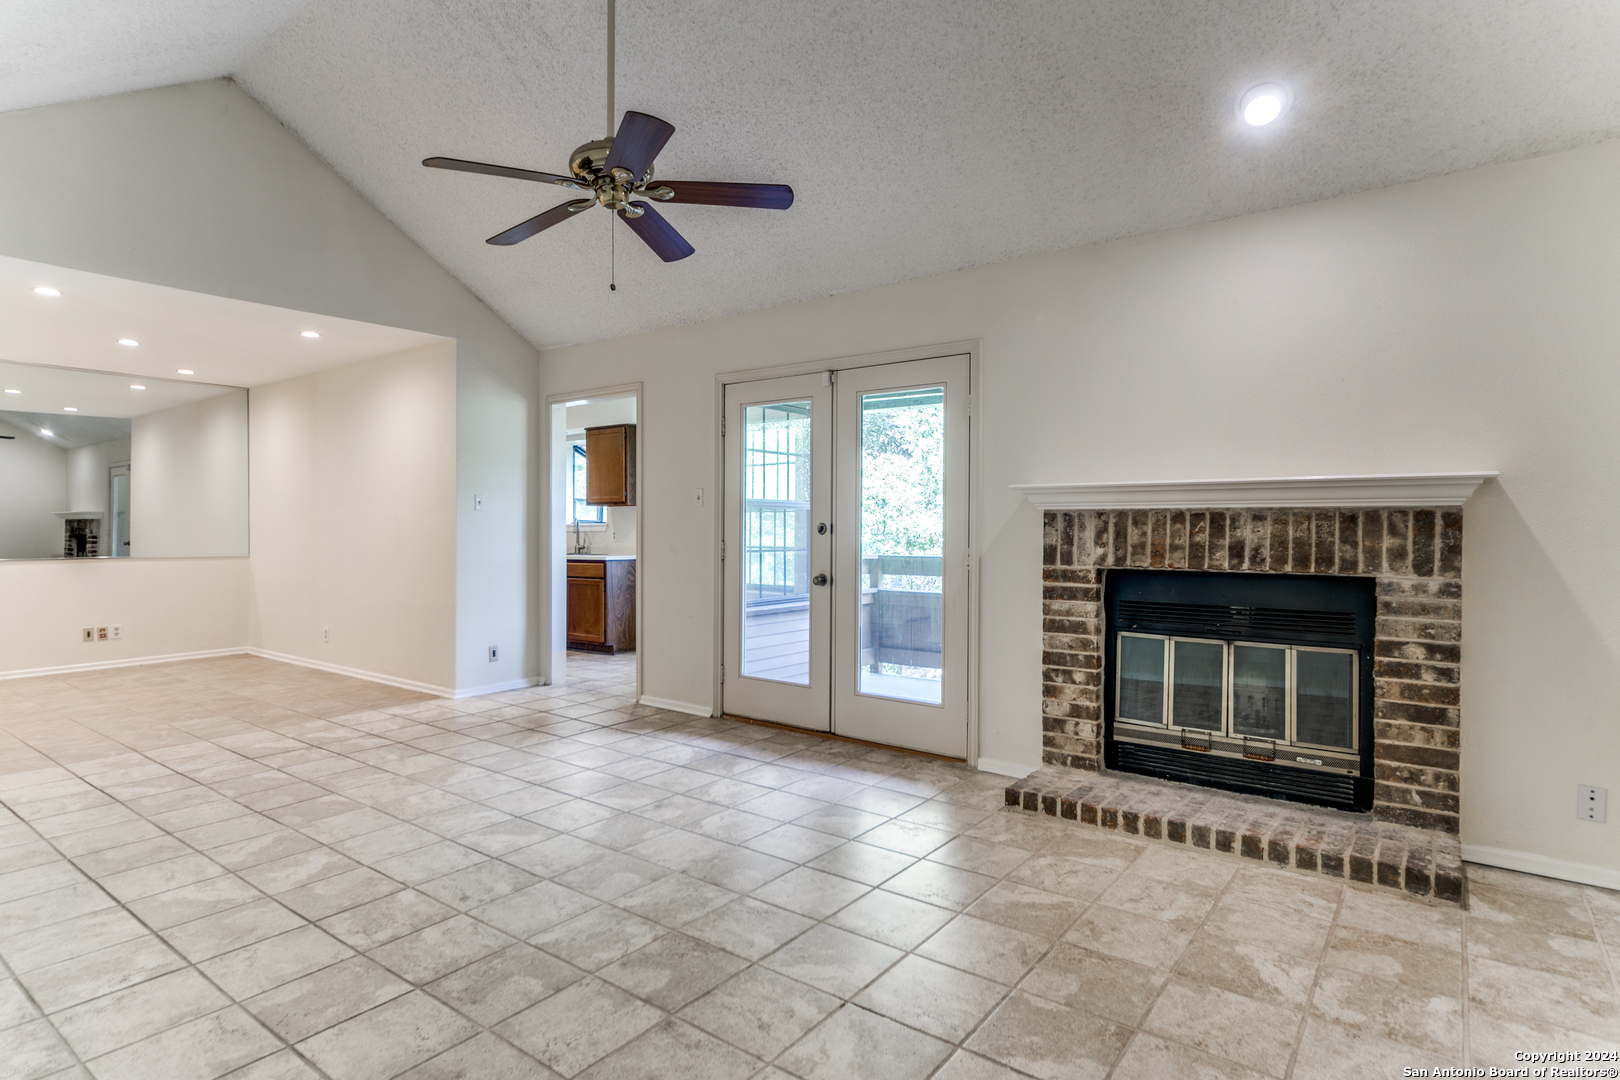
x=478 y=502
x=697 y=498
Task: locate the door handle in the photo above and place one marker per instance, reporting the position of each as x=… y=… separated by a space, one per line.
x=819 y=579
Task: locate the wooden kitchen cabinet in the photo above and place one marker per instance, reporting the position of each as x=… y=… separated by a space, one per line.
x=602 y=604
x=610 y=465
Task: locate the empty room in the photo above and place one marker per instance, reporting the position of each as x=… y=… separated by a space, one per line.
x=1069 y=544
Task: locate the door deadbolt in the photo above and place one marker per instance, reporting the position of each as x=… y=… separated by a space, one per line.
x=819 y=579
x=821 y=529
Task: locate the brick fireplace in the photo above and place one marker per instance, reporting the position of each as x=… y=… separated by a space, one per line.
x=1403 y=533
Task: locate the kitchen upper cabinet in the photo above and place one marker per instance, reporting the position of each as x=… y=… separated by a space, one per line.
x=610 y=465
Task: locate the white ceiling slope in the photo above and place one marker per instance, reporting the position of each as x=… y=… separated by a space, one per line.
x=64 y=50
x=919 y=135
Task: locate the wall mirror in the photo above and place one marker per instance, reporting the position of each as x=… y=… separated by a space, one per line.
x=96 y=465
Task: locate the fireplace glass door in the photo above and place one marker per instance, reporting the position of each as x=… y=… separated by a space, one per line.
x=1285 y=694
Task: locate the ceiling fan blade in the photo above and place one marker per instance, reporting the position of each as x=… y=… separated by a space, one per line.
x=708 y=193
x=639 y=139
x=658 y=234
x=540 y=222
x=495 y=170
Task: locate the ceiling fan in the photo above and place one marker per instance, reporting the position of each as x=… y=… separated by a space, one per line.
x=617 y=172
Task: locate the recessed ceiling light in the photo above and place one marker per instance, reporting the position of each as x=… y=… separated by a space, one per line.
x=46 y=290
x=308 y=333
x=69 y=408
x=128 y=341
x=1262 y=104
x=42 y=431
x=187 y=371
x=136 y=386
x=13 y=391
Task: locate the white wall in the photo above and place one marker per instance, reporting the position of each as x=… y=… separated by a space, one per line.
x=1465 y=322
x=33 y=486
x=89 y=479
x=354 y=516
x=197 y=187
x=188 y=480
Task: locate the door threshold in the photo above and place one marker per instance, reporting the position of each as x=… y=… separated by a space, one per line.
x=841 y=738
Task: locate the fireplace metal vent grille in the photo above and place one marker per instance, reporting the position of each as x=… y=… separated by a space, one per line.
x=1250 y=777
x=1232 y=621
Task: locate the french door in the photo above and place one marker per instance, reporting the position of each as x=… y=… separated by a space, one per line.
x=845 y=558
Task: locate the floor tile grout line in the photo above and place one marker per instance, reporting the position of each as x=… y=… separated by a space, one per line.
x=307 y=922
x=1603 y=944
x=1140 y=1027
x=228 y=996
x=120 y=905
x=1316 y=980
x=39 y=1010
x=695 y=737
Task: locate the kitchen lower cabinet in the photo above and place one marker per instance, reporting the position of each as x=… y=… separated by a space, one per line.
x=602 y=604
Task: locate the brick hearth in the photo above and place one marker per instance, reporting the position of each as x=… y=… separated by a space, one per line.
x=1415 y=555
x=1419 y=862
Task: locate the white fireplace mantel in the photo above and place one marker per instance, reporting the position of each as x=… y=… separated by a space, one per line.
x=1415 y=489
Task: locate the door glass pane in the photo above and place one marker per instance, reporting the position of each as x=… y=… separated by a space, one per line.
x=1196 y=702
x=776 y=542
x=1323 y=712
x=1260 y=692
x=902 y=542
x=1141 y=679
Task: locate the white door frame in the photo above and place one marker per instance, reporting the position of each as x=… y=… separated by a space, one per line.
x=971 y=348
x=554 y=559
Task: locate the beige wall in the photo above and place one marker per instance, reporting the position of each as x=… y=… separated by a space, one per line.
x=198 y=187
x=33 y=487
x=89 y=478
x=354 y=485
x=188 y=480
x=166 y=607
x=1465 y=322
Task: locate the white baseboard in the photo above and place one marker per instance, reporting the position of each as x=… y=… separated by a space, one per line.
x=1543 y=866
x=676 y=706
x=101 y=665
x=1005 y=768
x=496 y=688
x=355 y=673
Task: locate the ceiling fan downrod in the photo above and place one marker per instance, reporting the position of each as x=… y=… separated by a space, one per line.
x=616 y=172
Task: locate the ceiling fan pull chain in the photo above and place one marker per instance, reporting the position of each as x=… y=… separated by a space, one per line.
x=613 y=251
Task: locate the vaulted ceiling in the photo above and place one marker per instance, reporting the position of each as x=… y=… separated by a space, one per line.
x=920 y=136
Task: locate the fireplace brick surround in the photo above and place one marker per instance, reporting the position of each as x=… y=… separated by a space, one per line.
x=1415 y=557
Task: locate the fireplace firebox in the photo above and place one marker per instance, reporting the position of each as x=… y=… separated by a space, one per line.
x=1253 y=683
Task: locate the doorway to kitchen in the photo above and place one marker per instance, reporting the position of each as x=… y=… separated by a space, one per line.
x=594 y=532
x=845 y=552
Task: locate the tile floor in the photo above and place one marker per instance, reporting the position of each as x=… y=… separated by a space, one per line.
x=237 y=867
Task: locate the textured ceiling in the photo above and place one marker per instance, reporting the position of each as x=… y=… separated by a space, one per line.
x=919 y=135
x=63 y=50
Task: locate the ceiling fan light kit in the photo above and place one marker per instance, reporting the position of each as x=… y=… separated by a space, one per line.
x=617 y=172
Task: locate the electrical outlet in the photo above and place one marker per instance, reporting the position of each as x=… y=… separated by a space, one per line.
x=89 y=634
x=478 y=502
x=101 y=633
x=1591 y=803
x=326 y=636
x=494 y=653
x=117 y=631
